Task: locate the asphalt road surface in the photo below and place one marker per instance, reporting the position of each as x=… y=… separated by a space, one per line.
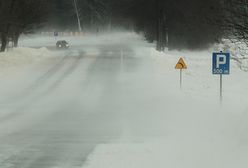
x=55 y=113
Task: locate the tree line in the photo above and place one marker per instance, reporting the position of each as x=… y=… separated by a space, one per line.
x=20 y=16
x=191 y=24
x=177 y=23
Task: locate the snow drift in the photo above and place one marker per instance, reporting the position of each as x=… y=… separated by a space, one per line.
x=22 y=56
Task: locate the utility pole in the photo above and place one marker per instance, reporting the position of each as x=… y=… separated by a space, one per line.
x=78 y=15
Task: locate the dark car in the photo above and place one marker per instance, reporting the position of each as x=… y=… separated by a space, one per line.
x=62 y=44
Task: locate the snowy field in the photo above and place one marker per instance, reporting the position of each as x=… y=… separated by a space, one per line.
x=183 y=129
x=161 y=125
x=187 y=129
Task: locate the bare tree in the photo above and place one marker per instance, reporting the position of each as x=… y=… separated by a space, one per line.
x=236 y=20
x=7 y=13
x=20 y=16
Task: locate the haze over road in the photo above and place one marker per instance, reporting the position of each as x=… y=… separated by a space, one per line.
x=113 y=101
x=54 y=113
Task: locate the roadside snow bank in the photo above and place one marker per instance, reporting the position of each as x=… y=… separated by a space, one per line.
x=204 y=154
x=22 y=56
x=191 y=129
x=198 y=80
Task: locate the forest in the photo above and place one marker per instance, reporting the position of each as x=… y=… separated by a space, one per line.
x=176 y=24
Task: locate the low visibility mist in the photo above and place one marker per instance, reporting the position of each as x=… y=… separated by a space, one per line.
x=93 y=84
x=195 y=24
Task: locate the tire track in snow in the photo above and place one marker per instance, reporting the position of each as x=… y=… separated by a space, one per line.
x=62 y=144
x=68 y=72
x=43 y=79
x=39 y=82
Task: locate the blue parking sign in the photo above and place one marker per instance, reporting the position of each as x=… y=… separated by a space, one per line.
x=221 y=63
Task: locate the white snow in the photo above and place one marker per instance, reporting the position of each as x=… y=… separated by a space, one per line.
x=238 y=50
x=190 y=129
x=162 y=126
x=22 y=56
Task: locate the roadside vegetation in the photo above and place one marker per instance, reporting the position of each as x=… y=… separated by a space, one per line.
x=173 y=24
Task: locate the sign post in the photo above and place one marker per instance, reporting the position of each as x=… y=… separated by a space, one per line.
x=56 y=34
x=221 y=66
x=181 y=78
x=181 y=65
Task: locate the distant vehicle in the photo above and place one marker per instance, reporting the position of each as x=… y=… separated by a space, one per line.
x=62 y=44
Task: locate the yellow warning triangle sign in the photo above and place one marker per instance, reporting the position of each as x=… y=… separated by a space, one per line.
x=181 y=64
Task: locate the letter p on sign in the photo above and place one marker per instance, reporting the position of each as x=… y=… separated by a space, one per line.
x=221 y=63
x=221 y=60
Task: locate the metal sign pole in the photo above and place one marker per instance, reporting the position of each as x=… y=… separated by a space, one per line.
x=221 y=89
x=180 y=66
x=221 y=66
x=181 y=78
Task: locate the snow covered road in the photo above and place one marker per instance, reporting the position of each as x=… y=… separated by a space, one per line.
x=114 y=102
x=61 y=108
